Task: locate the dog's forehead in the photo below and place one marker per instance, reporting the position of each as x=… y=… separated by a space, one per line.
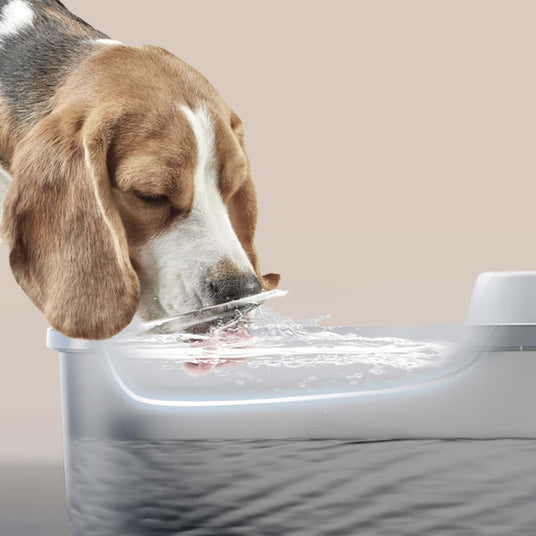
x=162 y=149
x=172 y=142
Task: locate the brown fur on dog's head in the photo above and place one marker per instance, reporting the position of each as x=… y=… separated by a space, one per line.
x=73 y=217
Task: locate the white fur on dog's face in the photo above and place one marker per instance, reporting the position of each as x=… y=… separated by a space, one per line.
x=176 y=266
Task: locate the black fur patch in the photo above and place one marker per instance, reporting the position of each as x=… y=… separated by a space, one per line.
x=35 y=60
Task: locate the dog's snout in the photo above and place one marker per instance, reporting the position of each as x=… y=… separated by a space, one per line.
x=234 y=288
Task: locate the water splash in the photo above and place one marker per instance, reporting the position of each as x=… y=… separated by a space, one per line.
x=268 y=339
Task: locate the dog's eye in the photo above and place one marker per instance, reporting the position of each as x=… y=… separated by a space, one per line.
x=153 y=199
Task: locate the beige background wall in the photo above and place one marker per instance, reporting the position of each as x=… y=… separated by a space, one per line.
x=393 y=148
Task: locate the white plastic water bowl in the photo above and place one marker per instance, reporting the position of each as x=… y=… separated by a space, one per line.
x=482 y=387
x=271 y=444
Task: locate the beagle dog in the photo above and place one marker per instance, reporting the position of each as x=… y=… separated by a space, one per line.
x=126 y=181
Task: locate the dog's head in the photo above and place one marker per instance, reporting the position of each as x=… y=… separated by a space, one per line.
x=133 y=195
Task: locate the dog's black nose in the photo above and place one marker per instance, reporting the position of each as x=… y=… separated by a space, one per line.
x=234 y=288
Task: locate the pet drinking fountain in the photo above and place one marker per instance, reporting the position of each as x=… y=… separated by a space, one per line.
x=473 y=381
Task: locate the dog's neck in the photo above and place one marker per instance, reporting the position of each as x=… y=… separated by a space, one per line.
x=41 y=42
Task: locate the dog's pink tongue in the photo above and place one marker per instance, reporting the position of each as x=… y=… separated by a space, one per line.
x=207 y=364
x=238 y=334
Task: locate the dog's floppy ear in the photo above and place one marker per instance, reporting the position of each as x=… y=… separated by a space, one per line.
x=68 y=245
x=243 y=213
